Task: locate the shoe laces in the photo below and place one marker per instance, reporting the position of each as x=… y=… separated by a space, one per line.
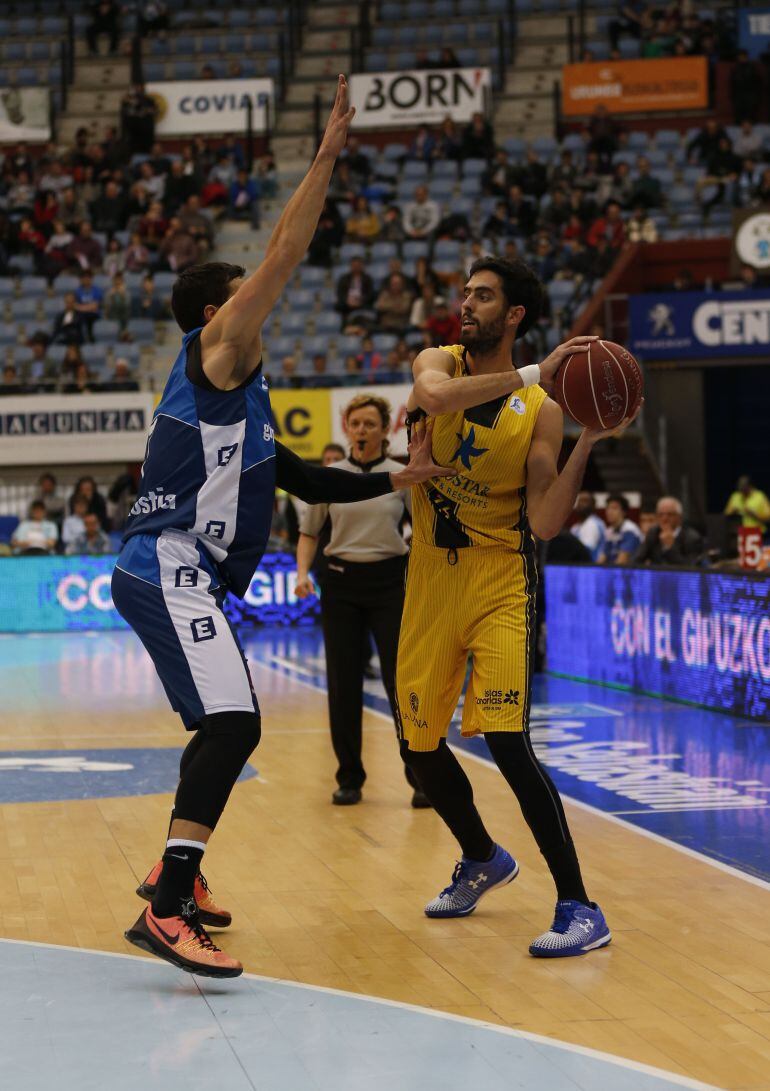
x=193 y=922
x=563 y=918
x=203 y=882
x=457 y=877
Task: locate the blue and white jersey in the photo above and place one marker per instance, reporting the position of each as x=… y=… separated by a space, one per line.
x=209 y=468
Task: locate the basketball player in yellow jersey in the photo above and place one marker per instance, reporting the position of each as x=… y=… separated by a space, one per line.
x=471 y=589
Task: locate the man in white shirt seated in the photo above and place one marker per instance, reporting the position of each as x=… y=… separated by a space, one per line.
x=589 y=528
x=36 y=533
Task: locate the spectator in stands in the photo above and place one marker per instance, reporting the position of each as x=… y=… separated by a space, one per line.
x=368 y=359
x=608 y=226
x=448 y=58
x=148 y=304
x=533 y=175
x=748 y=142
x=178 y=250
x=328 y=235
x=392 y=229
x=73 y=369
x=153 y=227
x=722 y=169
x=138 y=256
x=749 y=279
x=20 y=199
x=442 y=324
x=197 y=224
x=499 y=175
x=11 y=379
x=554 y=216
x=762 y=191
x=179 y=186
x=93 y=541
x=646 y=189
x=35 y=534
x=88 y=303
x=640 y=227
x=449 y=145
x=320 y=377
x=85 y=250
x=543 y=260
x=522 y=213
x=288 y=378
x=47 y=492
x=31 y=241
x=621 y=187
x=670 y=541
x=121 y=376
x=117 y=302
x=40 y=369
x=208 y=72
x=108 y=212
x=105 y=19
x=355 y=290
x=363 y=224
x=138 y=112
x=749 y=504
x=86 y=487
x=564 y=172
x=422 y=215
x=72 y=209
x=423 y=147
x=74 y=526
x=603 y=136
x=589 y=528
x=152 y=17
x=394 y=304
x=115 y=259
x=621 y=536
x=745 y=81
x=423 y=306
x=358 y=164
x=706 y=142
x=243 y=199
x=68 y=326
x=478 y=140
x=56 y=253
x=45 y=210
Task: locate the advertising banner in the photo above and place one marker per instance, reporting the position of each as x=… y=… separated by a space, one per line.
x=55 y=429
x=751 y=239
x=302 y=420
x=702 y=637
x=406 y=99
x=61 y=594
x=754 y=30
x=396 y=394
x=630 y=87
x=210 y=106
x=695 y=325
x=25 y=114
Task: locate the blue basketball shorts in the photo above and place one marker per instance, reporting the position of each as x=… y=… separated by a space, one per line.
x=167 y=589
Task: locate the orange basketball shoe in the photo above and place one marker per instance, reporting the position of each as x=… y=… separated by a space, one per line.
x=184 y=942
x=211 y=914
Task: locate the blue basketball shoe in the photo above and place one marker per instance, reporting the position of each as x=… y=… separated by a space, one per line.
x=576 y=928
x=470 y=882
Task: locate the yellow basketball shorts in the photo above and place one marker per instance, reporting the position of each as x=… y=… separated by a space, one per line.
x=477 y=602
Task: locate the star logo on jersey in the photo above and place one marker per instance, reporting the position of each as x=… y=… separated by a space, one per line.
x=467 y=449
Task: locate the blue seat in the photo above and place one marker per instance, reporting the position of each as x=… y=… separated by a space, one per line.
x=384 y=251
x=472 y=168
x=141 y=330
x=415 y=248
x=106 y=330
x=327 y=323
x=293 y=323
x=395 y=151
x=33 y=286
x=8 y=524
x=384 y=342
x=94 y=355
x=23 y=309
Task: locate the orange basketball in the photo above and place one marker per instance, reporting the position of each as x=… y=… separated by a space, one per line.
x=601 y=386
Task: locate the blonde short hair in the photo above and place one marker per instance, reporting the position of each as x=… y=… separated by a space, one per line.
x=382 y=405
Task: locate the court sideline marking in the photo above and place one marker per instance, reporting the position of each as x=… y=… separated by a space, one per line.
x=510 y=1032
x=284 y=670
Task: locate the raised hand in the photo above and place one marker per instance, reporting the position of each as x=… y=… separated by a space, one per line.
x=553 y=362
x=421 y=466
x=594 y=435
x=339 y=122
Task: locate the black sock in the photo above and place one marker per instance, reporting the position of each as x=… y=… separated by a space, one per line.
x=542 y=809
x=181 y=864
x=444 y=782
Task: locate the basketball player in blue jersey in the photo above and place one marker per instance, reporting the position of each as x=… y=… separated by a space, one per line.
x=198 y=529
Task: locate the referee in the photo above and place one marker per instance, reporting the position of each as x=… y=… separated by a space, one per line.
x=362 y=589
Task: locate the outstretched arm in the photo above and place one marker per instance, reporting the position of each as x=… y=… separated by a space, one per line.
x=551 y=495
x=235 y=328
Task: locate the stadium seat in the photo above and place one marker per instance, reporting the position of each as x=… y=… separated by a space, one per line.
x=106 y=330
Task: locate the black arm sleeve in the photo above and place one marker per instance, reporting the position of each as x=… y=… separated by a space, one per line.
x=324 y=484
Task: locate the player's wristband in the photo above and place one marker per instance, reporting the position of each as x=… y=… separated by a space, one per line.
x=529 y=375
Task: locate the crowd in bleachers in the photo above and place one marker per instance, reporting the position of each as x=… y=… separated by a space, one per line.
x=386 y=267
x=91 y=240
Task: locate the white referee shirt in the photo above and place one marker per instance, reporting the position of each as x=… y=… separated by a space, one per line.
x=368 y=530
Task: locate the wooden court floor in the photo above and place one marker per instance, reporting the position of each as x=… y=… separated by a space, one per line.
x=333 y=896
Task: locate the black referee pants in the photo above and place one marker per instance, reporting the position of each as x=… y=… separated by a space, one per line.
x=358 y=599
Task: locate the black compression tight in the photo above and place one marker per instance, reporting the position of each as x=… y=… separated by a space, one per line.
x=445 y=784
x=211 y=764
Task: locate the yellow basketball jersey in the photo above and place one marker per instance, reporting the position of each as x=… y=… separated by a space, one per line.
x=485 y=502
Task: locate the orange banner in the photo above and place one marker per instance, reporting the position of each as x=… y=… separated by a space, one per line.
x=625 y=87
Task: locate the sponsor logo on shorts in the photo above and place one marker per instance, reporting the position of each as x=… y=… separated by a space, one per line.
x=414 y=703
x=496 y=698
